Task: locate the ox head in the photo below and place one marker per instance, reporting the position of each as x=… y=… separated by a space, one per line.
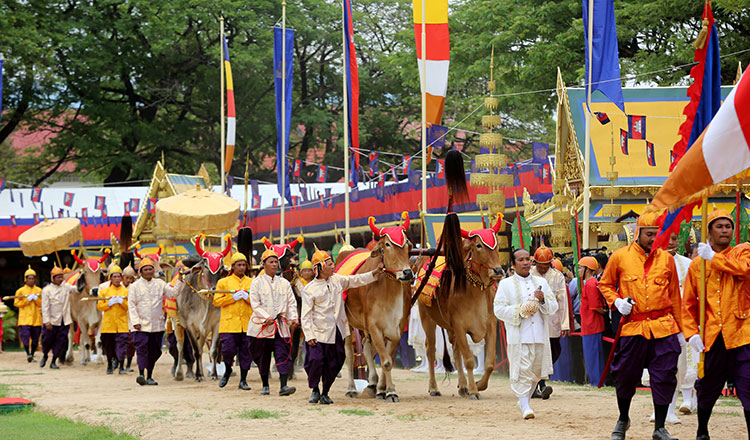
x=213 y=262
x=393 y=247
x=91 y=268
x=481 y=250
x=286 y=255
x=162 y=268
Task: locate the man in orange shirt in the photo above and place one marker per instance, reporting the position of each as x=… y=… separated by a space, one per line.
x=643 y=285
x=727 y=338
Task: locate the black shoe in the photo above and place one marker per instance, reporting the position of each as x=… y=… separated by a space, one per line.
x=536 y=394
x=314 y=397
x=109 y=370
x=702 y=437
x=620 y=429
x=129 y=370
x=662 y=434
x=53 y=365
x=43 y=361
x=244 y=386
x=546 y=392
x=122 y=371
x=287 y=391
x=224 y=379
x=29 y=358
x=265 y=391
x=140 y=380
x=325 y=400
x=150 y=381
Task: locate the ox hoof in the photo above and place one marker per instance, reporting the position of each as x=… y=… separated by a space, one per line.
x=435 y=394
x=189 y=374
x=380 y=396
x=463 y=392
x=393 y=397
x=370 y=390
x=352 y=394
x=199 y=378
x=474 y=397
x=178 y=376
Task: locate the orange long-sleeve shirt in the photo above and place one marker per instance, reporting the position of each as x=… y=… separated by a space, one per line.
x=658 y=290
x=727 y=297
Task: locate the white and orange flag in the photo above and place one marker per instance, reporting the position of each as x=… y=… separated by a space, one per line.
x=438 y=54
x=721 y=154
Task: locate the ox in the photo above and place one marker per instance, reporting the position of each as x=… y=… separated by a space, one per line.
x=85 y=312
x=463 y=302
x=381 y=309
x=196 y=312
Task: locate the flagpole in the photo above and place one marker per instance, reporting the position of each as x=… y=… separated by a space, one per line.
x=346 y=125
x=587 y=148
x=283 y=120
x=221 y=91
x=424 y=108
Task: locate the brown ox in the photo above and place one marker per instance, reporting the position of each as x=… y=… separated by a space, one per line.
x=463 y=303
x=381 y=309
x=85 y=312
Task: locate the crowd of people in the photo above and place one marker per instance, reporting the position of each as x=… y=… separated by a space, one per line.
x=646 y=298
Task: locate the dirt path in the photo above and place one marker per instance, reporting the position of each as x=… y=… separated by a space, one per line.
x=189 y=410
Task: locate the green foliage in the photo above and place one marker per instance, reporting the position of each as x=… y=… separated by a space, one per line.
x=123 y=82
x=33 y=424
x=10 y=326
x=261 y=414
x=356 y=412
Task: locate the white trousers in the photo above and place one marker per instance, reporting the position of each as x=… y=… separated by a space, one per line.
x=530 y=370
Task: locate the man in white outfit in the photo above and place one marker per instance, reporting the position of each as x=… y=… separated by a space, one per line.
x=524 y=303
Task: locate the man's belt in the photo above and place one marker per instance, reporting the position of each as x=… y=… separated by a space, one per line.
x=654 y=314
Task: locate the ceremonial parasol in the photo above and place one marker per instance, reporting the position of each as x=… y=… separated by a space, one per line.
x=197 y=211
x=50 y=236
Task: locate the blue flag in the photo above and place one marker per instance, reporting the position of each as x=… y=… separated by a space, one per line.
x=605 y=60
x=283 y=150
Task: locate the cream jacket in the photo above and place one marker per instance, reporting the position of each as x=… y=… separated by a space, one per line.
x=271 y=298
x=146 y=305
x=56 y=303
x=323 y=306
x=560 y=320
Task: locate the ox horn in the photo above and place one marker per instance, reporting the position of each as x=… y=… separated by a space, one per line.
x=158 y=251
x=464 y=234
x=199 y=244
x=405 y=218
x=76 y=257
x=228 y=246
x=296 y=241
x=497 y=224
x=375 y=230
x=106 y=254
x=267 y=243
x=135 y=251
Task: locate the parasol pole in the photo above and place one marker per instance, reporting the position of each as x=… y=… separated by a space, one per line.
x=283 y=119
x=221 y=92
x=424 y=108
x=247 y=175
x=346 y=126
x=518 y=219
x=59 y=264
x=702 y=303
x=737 y=223
x=587 y=146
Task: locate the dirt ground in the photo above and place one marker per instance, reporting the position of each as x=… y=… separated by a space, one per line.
x=190 y=410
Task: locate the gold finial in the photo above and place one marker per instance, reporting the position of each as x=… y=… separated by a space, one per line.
x=491 y=84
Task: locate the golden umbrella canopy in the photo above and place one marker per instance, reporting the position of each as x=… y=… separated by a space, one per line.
x=197 y=211
x=50 y=236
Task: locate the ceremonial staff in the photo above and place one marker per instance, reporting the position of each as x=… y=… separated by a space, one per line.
x=702 y=299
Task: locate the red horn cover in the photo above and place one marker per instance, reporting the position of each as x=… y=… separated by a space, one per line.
x=405 y=217
x=76 y=257
x=375 y=230
x=199 y=245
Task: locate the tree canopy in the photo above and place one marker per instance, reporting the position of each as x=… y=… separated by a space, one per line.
x=124 y=81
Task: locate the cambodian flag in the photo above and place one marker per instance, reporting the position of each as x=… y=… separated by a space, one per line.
x=407 y=164
x=441 y=168
x=256 y=202
x=13 y=220
x=275 y=202
x=650 y=153
x=36 y=194
x=152 y=205
x=373 y=163
x=68 y=199
x=322 y=174
x=636 y=127
x=36 y=218
x=624 y=141
x=135 y=205
x=99 y=203
x=85 y=214
x=602 y=117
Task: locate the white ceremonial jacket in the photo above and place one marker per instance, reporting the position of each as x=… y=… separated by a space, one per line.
x=56 y=303
x=511 y=293
x=146 y=305
x=323 y=306
x=559 y=320
x=271 y=298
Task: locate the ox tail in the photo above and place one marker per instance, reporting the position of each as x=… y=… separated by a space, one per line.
x=447 y=364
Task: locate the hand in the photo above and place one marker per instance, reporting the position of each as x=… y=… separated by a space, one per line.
x=237 y=295
x=137 y=327
x=31 y=298
x=539 y=295
x=697 y=343
x=564 y=333
x=48 y=326
x=378 y=272
x=312 y=342
x=245 y=295
x=623 y=306
x=705 y=251
x=112 y=301
x=268 y=321
x=681 y=338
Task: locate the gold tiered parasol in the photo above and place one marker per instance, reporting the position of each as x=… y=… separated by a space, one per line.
x=197 y=211
x=50 y=236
